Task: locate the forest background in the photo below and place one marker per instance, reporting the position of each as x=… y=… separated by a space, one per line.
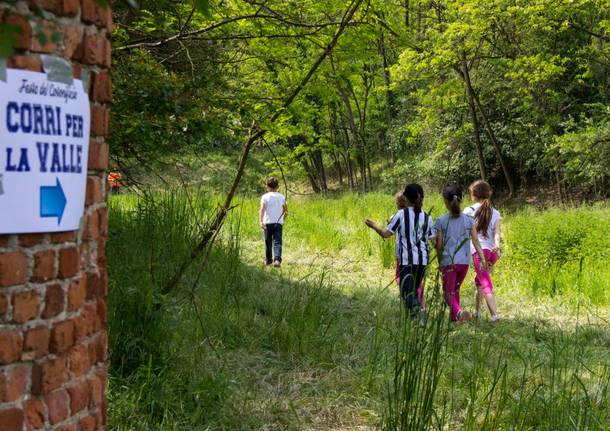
x=516 y=92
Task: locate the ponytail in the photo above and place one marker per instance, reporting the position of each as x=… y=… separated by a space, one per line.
x=481 y=190
x=455 y=206
x=453 y=197
x=483 y=217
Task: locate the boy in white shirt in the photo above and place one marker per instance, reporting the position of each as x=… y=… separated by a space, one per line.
x=271 y=219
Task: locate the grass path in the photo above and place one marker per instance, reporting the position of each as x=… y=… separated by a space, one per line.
x=313 y=345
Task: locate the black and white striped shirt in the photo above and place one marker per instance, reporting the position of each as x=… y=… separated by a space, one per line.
x=412 y=235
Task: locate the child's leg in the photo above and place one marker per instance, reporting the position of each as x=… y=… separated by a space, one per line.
x=268 y=245
x=449 y=278
x=397 y=276
x=486 y=285
x=408 y=289
x=277 y=242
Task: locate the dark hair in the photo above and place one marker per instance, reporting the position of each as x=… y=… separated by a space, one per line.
x=481 y=190
x=453 y=195
x=415 y=195
x=401 y=200
x=272 y=183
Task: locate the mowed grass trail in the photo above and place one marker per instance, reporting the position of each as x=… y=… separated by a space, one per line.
x=321 y=343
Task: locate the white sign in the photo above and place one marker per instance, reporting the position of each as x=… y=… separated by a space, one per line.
x=44 y=146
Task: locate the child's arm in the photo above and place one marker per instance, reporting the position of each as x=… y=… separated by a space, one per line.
x=438 y=245
x=497 y=236
x=261 y=214
x=474 y=236
x=382 y=231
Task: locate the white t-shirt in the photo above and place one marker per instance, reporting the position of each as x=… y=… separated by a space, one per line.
x=274 y=207
x=487 y=241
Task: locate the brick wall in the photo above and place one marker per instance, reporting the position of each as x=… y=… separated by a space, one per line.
x=53 y=340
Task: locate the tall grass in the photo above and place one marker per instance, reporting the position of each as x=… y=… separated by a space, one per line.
x=324 y=346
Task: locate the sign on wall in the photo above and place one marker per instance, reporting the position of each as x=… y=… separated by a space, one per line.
x=44 y=147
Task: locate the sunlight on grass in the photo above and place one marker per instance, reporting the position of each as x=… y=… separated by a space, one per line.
x=322 y=343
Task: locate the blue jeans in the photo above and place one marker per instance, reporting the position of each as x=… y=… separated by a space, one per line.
x=273 y=239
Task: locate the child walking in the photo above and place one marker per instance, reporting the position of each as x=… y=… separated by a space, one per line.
x=401 y=203
x=271 y=216
x=488 y=224
x=413 y=229
x=453 y=231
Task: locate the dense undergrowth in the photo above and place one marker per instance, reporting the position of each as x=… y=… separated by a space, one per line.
x=322 y=343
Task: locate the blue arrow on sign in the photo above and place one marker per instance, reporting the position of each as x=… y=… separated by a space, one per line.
x=52 y=201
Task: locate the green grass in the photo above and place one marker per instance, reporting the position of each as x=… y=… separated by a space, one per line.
x=322 y=343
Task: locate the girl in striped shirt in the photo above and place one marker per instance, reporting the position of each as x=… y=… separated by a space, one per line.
x=413 y=228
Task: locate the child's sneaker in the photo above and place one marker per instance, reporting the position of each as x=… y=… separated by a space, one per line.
x=277 y=264
x=495 y=318
x=464 y=316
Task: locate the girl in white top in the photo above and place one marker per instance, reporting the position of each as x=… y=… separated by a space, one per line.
x=488 y=224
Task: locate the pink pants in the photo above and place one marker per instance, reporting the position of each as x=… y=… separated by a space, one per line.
x=420 y=288
x=453 y=276
x=483 y=278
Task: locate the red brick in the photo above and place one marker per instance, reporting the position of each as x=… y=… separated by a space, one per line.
x=78 y=360
x=103 y=221
x=100 y=119
x=70 y=7
x=87 y=323
x=53 y=6
x=87 y=423
x=10 y=346
x=62 y=336
x=94 y=191
x=24 y=36
x=93 y=286
x=11 y=420
x=101 y=343
x=44 y=266
x=94 y=12
x=61 y=237
x=13 y=268
x=49 y=29
x=102 y=311
x=68 y=262
x=49 y=375
x=54 y=301
x=25 y=62
x=77 y=292
x=98 y=155
x=3 y=306
x=93 y=49
x=30 y=239
x=70 y=427
x=73 y=36
x=36 y=342
x=79 y=396
x=92 y=227
x=25 y=306
x=13 y=384
x=96 y=389
x=34 y=414
x=58 y=403
x=102 y=87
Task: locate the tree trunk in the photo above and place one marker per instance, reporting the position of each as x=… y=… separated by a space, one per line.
x=494 y=141
x=488 y=129
x=474 y=119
